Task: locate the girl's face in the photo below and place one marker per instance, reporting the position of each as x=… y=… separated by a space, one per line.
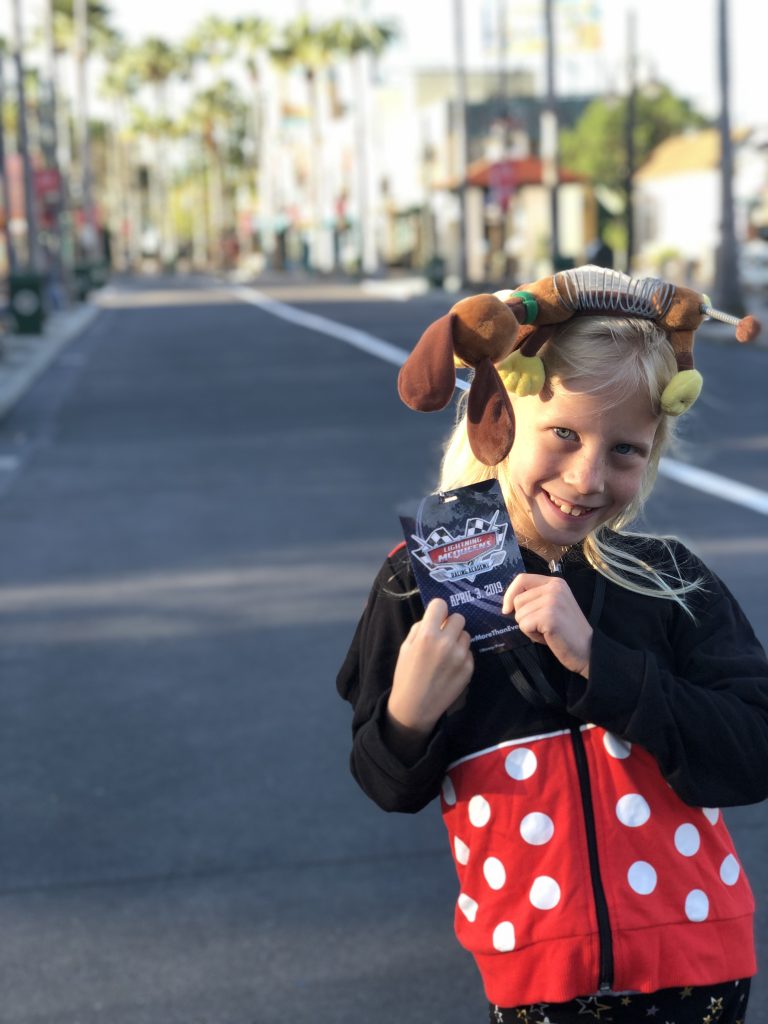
x=575 y=464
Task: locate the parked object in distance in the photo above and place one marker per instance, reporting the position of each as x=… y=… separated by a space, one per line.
x=753 y=265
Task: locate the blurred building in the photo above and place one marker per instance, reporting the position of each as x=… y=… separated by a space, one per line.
x=507 y=204
x=677 y=202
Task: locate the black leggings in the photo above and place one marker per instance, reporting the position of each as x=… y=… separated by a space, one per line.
x=706 y=1004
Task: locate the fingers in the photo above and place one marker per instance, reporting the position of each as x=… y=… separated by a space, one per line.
x=434 y=666
x=521 y=584
x=436 y=617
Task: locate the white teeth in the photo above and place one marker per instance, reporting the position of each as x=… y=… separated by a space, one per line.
x=570 y=510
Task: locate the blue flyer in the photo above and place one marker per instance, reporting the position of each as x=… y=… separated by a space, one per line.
x=463 y=549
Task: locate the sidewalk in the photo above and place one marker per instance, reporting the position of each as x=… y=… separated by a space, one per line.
x=23 y=357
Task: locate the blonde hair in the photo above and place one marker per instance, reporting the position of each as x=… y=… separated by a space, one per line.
x=615 y=358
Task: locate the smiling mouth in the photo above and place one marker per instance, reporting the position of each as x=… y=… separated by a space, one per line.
x=575 y=511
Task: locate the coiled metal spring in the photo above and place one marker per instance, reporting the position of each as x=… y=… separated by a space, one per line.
x=595 y=289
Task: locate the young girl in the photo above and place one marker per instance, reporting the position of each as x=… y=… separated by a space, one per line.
x=596 y=874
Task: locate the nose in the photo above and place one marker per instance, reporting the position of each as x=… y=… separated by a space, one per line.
x=586 y=472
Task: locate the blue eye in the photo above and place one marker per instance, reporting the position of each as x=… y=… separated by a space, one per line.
x=625 y=449
x=564 y=433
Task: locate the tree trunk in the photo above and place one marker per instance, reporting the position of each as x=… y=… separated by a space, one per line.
x=34 y=255
x=4 y=190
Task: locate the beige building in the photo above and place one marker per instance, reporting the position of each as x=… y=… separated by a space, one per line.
x=678 y=197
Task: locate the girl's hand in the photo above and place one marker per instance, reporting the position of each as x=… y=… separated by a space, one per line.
x=546 y=611
x=433 y=669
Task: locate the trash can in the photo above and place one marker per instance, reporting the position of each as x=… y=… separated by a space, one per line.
x=563 y=263
x=99 y=273
x=82 y=280
x=434 y=271
x=26 y=299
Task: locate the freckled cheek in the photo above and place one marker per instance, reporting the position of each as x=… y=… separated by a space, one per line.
x=628 y=487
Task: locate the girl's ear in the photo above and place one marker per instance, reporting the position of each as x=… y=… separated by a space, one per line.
x=490 y=419
x=427 y=377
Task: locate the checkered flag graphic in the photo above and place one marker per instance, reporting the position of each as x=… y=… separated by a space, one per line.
x=475 y=526
x=439 y=536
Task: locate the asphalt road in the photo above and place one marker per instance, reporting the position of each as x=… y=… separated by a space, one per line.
x=193 y=503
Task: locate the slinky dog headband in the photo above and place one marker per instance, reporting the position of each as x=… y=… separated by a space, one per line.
x=499 y=337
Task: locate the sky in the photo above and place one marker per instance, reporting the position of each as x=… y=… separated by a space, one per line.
x=676 y=39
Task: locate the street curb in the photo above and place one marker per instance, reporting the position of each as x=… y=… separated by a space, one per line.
x=24 y=357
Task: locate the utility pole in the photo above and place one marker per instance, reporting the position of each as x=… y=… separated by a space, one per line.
x=501 y=17
x=461 y=134
x=629 y=180
x=727 y=283
x=550 y=170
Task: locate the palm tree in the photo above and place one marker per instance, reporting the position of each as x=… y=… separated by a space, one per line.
x=5 y=195
x=79 y=27
x=363 y=42
x=216 y=117
x=313 y=49
x=253 y=37
x=33 y=253
x=119 y=84
x=155 y=63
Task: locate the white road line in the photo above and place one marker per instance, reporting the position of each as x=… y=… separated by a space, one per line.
x=322 y=325
x=690 y=476
x=719 y=486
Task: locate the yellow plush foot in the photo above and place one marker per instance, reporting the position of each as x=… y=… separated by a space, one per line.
x=681 y=392
x=522 y=375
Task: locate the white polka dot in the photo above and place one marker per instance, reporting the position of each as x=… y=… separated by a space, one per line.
x=616 y=747
x=712 y=814
x=494 y=872
x=537 y=828
x=449 y=793
x=520 y=764
x=461 y=850
x=504 y=937
x=696 y=905
x=545 y=893
x=687 y=840
x=468 y=907
x=632 y=810
x=642 y=878
x=730 y=870
x=479 y=811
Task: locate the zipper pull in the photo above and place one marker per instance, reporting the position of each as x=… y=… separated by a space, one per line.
x=554 y=568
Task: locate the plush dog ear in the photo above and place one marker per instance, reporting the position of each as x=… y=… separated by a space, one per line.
x=428 y=376
x=490 y=419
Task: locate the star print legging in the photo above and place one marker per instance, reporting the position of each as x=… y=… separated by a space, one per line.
x=707 y=1004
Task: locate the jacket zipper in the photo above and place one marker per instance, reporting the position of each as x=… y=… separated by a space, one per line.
x=605 y=981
